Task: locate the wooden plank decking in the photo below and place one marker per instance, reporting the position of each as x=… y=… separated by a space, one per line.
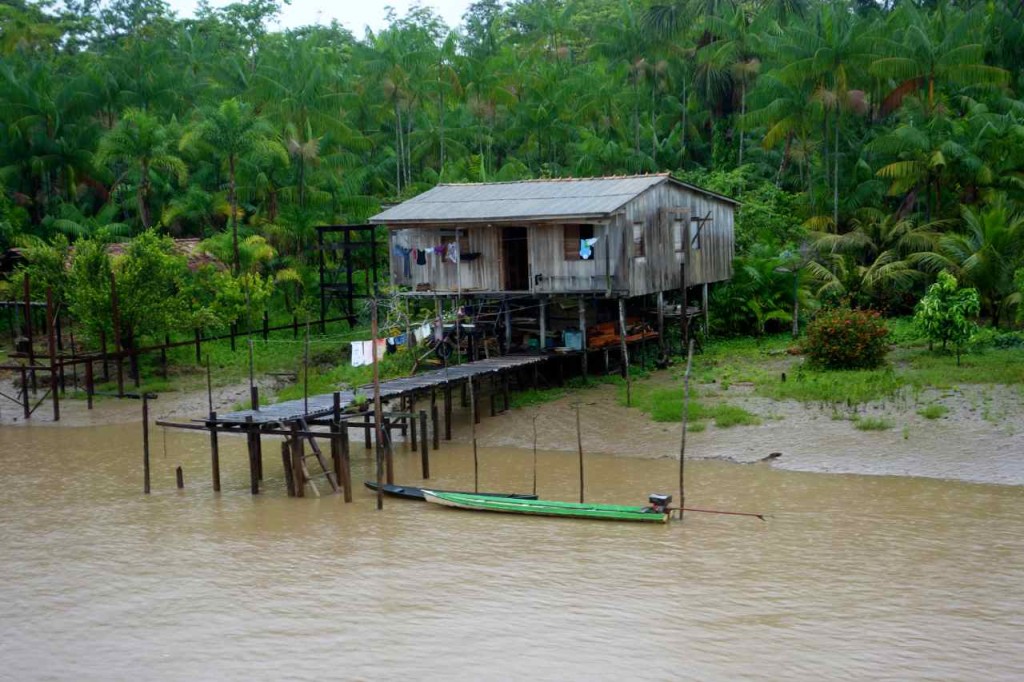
x=322 y=405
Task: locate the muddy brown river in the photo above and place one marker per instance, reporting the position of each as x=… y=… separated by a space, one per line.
x=851 y=577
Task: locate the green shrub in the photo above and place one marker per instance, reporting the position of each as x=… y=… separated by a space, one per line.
x=873 y=424
x=933 y=411
x=840 y=338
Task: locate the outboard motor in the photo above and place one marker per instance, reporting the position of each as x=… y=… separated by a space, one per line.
x=659 y=503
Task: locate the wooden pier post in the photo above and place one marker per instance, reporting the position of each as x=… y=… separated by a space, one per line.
x=447 y=411
x=339 y=449
x=424 y=445
x=434 y=430
x=145 y=443
x=214 y=452
x=625 y=351
x=298 y=476
x=179 y=477
x=254 y=480
x=286 y=464
x=26 y=407
x=410 y=421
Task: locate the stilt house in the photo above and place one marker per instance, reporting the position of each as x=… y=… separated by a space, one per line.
x=595 y=238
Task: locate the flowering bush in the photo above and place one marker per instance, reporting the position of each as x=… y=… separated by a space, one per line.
x=840 y=338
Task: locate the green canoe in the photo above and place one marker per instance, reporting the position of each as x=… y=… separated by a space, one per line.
x=575 y=510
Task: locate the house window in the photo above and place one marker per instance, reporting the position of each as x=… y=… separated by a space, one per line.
x=697 y=226
x=638 y=239
x=679 y=227
x=572 y=242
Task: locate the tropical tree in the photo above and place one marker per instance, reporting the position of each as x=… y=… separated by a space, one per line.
x=230 y=132
x=946 y=313
x=137 y=146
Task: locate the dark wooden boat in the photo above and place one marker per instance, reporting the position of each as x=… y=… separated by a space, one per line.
x=409 y=492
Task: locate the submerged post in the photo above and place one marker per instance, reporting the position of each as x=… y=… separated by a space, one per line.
x=179 y=477
x=682 y=444
x=424 y=445
x=145 y=443
x=214 y=452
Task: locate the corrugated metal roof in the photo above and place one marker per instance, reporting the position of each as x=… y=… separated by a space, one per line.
x=530 y=199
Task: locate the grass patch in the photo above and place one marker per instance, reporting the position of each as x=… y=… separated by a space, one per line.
x=540 y=396
x=933 y=411
x=665 y=404
x=874 y=424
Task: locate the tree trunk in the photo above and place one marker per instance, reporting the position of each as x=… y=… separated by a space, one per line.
x=835 y=187
x=143 y=195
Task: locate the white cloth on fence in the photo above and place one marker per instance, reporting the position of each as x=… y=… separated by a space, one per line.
x=362 y=352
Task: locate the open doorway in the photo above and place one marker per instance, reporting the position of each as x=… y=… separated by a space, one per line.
x=515 y=255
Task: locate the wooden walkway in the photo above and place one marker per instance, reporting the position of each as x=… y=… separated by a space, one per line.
x=323 y=405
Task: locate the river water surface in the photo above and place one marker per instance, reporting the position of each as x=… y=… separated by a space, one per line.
x=851 y=577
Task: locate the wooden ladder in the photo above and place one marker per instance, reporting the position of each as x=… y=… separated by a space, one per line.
x=328 y=472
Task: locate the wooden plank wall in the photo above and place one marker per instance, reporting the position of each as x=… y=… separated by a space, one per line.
x=661 y=211
x=481 y=274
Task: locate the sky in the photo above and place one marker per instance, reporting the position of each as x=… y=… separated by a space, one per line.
x=355 y=15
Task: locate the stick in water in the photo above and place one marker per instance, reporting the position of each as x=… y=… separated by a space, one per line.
x=579 y=447
x=535 y=453
x=682 y=444
x=472 y=421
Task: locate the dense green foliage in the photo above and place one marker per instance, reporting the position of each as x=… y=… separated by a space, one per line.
x=841 y=338
x=873 y=145
x=946 y=313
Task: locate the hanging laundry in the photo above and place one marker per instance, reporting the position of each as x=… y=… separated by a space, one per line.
x=440 y=249
x=422 y=332
x=391 y=347
x=421 y=257
x=401 y=340
x=587 y=248
x=361 y=353
x=453 y=252
x=382 y=349
x=403 y=253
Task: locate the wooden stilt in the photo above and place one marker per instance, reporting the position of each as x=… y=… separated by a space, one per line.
x=214 y=452
x=286 y=465
x=254 y=479
x=346 y=464
x=411 y=421
x=145 y=444
x=424 y=445
x=434 y=430
x=625 y=351
x=179 y=477
x=447 y=411
x=298 y=475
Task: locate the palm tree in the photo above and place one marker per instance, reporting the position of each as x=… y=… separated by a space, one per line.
x=230 y=132
x=932 y=49
x=986 y=255
x=137 y=146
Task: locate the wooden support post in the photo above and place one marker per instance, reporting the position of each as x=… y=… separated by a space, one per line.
x=424 y=445
x=179 y=477
x=661 y=322
x=625 y=351
x=254 y=397
x=26 y=408
x=27 y=285
x=257 y=443
x=298 y=477
x=389 y=452
x=145 y=443
x=338 y=456
x=543 y=341
x=89 y=384
x=214 y=452
x=583 y=337
x=286 y=465
x=447 y=411
x=346 y=464
x=254 y=480
x=51 y=347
